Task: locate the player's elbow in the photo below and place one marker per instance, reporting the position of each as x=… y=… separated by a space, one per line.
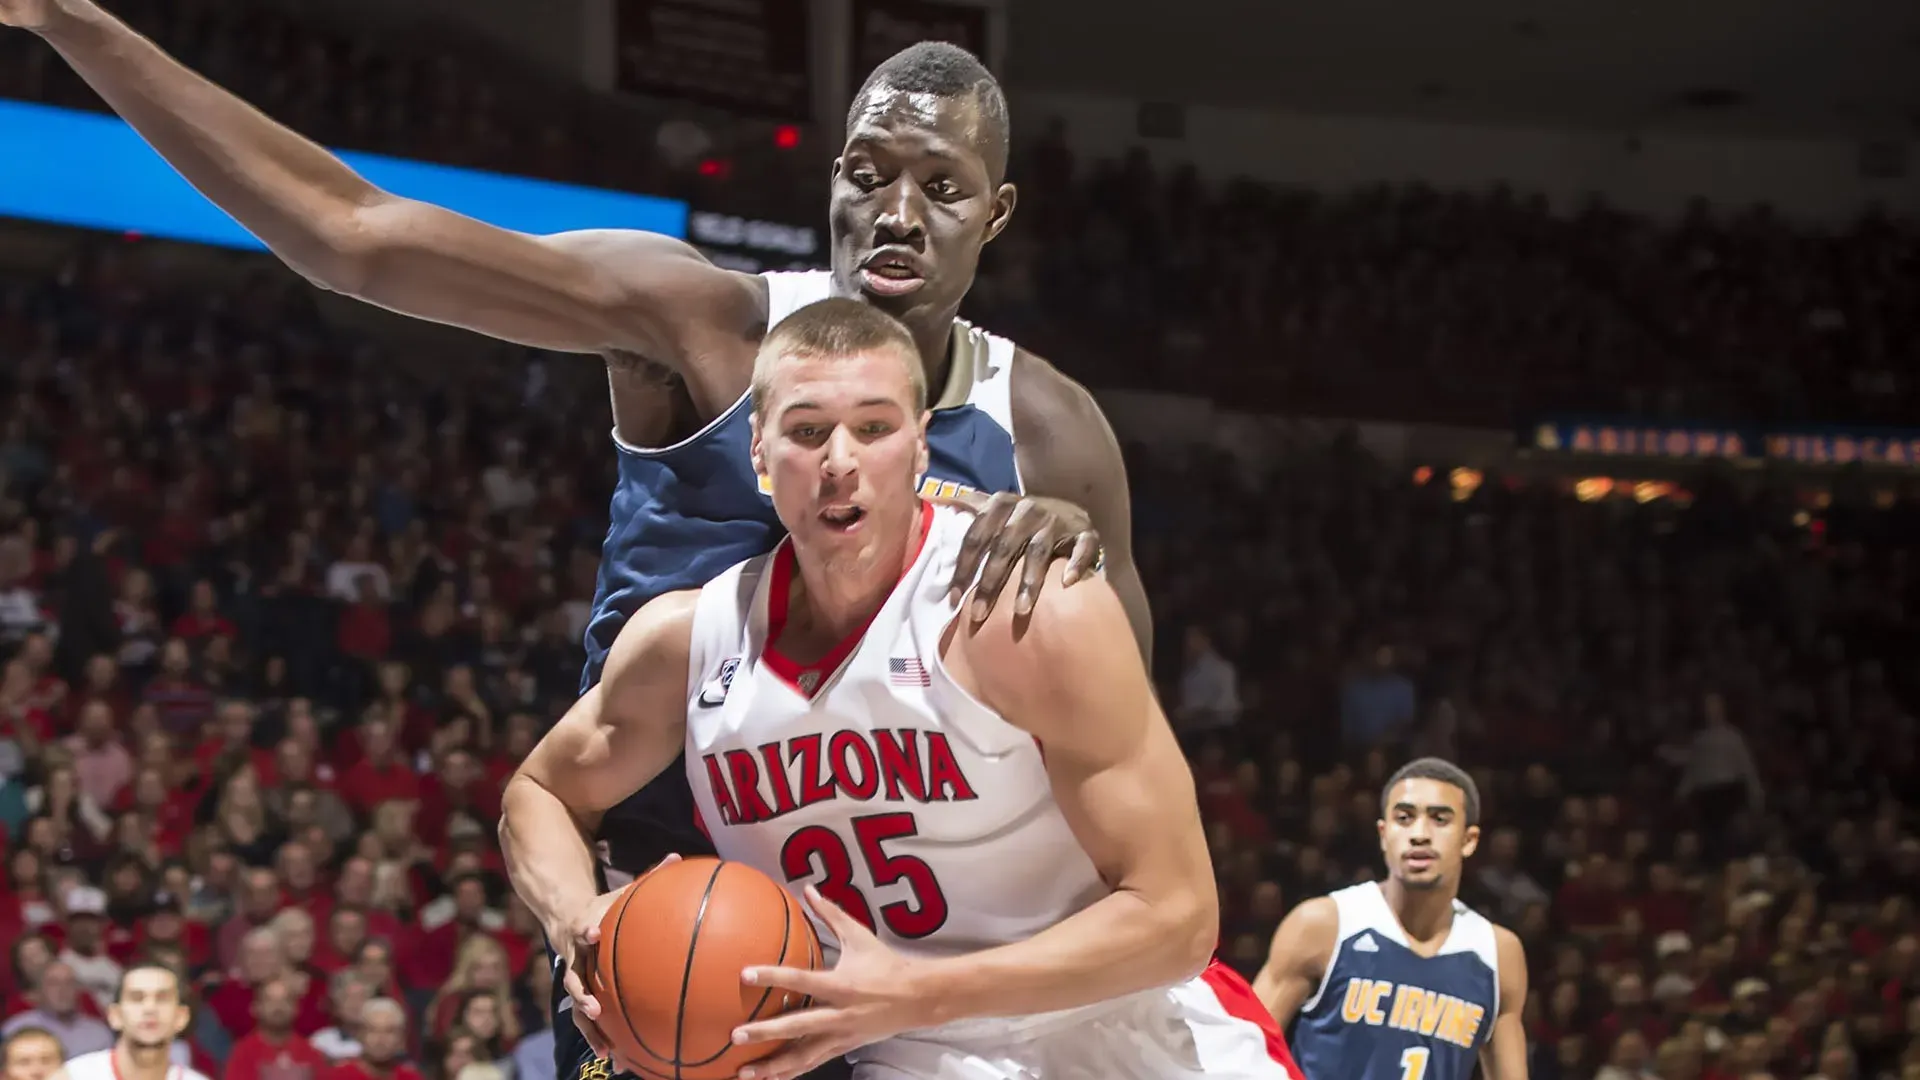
x=331 y=243
x=1191 y=930
x=510 y=797
x=516 y=799
x=354 y=247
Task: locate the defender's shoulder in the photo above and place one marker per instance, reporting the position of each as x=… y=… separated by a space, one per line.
x=1047 y=394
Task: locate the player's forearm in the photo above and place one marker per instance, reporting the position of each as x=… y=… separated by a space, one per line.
x=291 y=193
x=1123 y=944
x=548 y=854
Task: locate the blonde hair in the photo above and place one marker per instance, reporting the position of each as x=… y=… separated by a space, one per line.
x=836 y=329
x=460 y=982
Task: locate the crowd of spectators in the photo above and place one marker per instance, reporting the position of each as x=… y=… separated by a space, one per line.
x=1692 y=724
x=1485 y=308
x=1398 y=301
x=277 y=623
x=279 y=610
x=279 y=616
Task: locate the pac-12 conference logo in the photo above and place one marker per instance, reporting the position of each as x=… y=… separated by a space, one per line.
x=714 y=693
x=930 y=488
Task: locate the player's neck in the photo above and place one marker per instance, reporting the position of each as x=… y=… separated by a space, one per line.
x=935 y=342
x=837 y=604
x=132 y=1062
x=1425 y=915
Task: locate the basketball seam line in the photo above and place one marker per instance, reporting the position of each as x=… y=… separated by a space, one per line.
x=686 y=975
x=612 y=946
x=786 y=938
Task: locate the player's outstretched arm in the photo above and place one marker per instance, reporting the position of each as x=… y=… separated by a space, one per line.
x=1072 y=677
x=1297 y=958
x=1505 y=1055
x=620 y=735
x=577 y=292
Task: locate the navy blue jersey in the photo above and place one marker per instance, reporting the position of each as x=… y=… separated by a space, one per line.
x=683 y=514
x=1383 y=1012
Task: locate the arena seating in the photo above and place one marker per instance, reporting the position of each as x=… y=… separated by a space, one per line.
x=1400 y=302
x=281 y=608
x=300 y=640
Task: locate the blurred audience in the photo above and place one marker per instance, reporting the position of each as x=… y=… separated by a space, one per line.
x=281 y=609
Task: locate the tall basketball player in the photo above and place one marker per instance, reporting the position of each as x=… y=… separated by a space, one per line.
x=993 y=824
x=1399 y=980
x=917 y=193
x=148 y=1013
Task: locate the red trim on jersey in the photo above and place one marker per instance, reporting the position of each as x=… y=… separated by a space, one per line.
x=700 y=822
x=1240 y=1002
x=790 y=670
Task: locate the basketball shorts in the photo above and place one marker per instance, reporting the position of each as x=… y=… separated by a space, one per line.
x=1209 y=1028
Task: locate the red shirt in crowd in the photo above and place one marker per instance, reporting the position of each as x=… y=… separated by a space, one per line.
x=194 y=626
x=438 y=804
x=293 y=1058
x=1662 y=912
x=1583 y=904
x=366 y=785
x=359 y=1069
x=365 y=631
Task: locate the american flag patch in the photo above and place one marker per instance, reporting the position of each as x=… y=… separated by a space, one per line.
x=907 y=672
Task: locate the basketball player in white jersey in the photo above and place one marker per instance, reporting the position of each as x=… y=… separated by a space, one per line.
x=148 y=1014
x=994 y=827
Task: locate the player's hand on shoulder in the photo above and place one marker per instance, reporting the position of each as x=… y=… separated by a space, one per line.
x=576 y=941
x=871 y=993
x=1029 y=531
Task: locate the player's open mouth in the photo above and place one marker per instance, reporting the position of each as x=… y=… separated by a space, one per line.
x=885 y=274
x=842 y=518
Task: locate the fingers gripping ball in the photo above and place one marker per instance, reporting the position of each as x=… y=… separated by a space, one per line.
x=668 y=967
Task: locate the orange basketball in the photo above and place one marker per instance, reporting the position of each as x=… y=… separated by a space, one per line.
x=671 y=950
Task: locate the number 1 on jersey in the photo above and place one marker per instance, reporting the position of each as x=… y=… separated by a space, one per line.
x=924 y=914
x=1413 y=1062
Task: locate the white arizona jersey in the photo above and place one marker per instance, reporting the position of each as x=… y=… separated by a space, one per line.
x=99 y=1066
x=871 y=774
x=930 y=818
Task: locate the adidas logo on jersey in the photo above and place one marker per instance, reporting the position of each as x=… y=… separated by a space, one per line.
x=1365 y=944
